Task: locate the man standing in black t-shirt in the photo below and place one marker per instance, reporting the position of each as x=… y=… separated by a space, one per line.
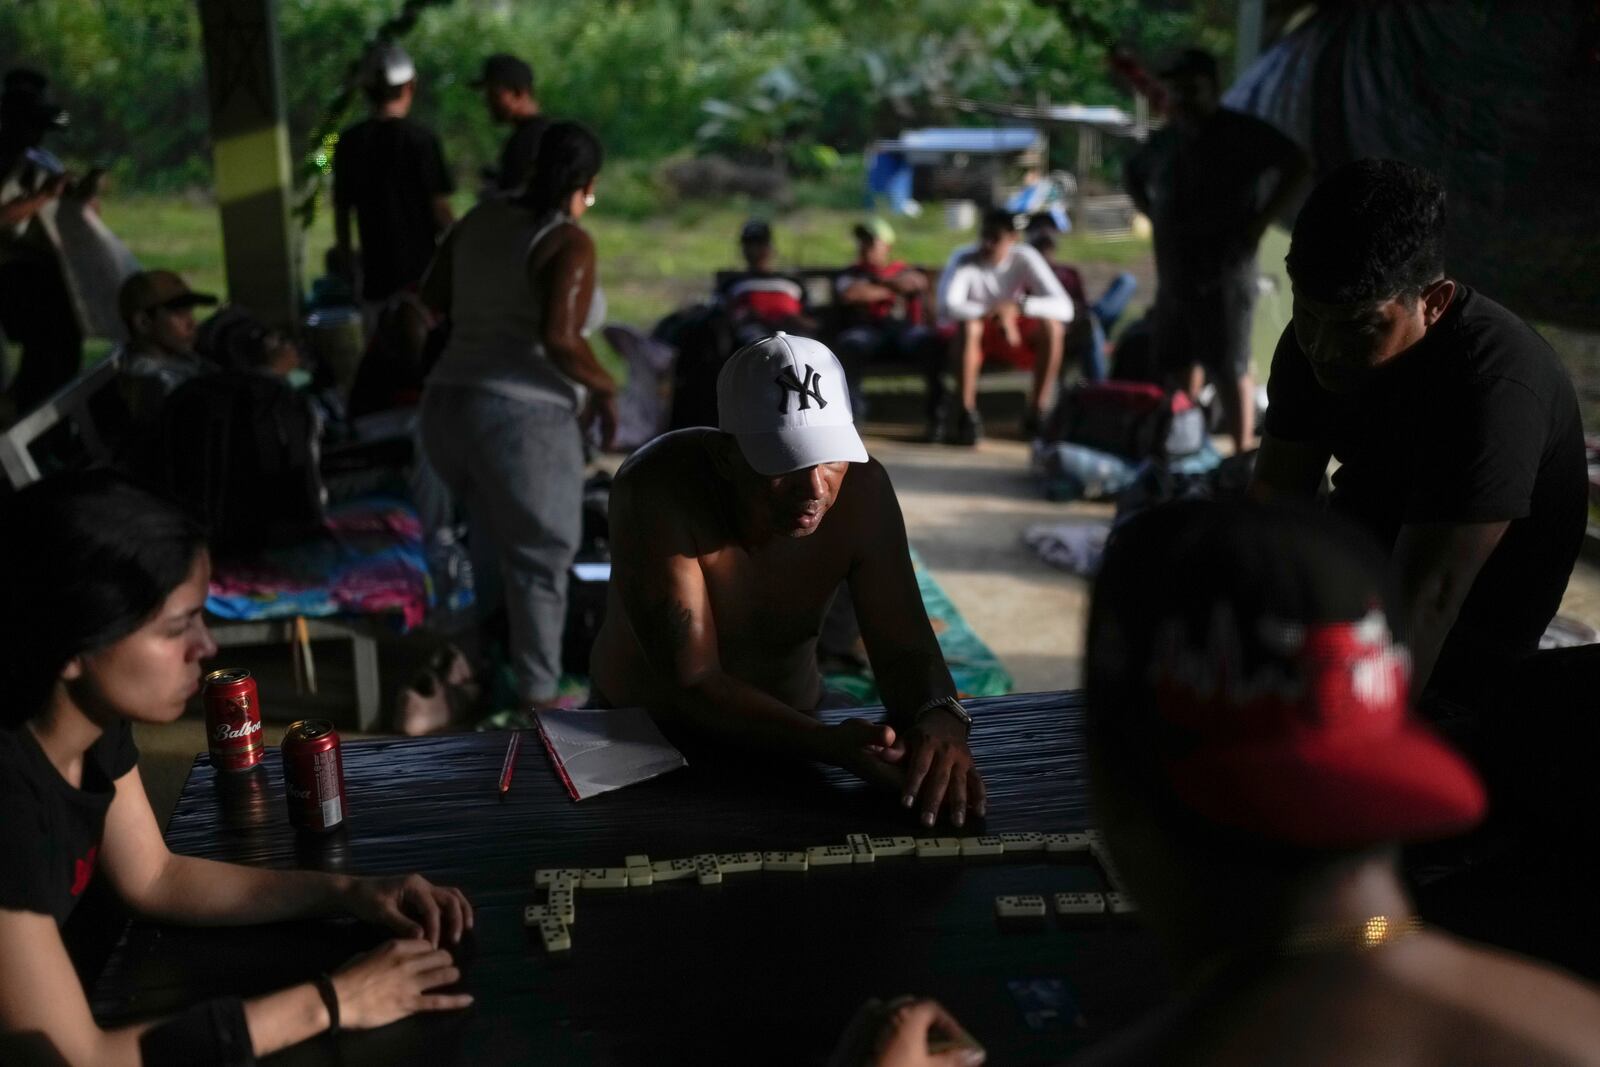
x=507 y=84
x=1456 y=429
x=1202 y=180
x=390 y=172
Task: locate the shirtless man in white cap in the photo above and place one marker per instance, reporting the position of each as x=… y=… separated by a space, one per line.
x=727 y=548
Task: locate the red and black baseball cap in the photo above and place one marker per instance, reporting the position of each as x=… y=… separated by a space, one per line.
x=1249 y=649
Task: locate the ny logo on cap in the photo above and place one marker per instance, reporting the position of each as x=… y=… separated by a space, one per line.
x=808 y=390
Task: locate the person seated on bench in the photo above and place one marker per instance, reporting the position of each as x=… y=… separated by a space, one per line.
x=104 y=630
x=158 y=306
x=759 y=300
x=1254 y=761
x=727 y=547
x=1005 y=303
x=1086 y=339
x=870 y=292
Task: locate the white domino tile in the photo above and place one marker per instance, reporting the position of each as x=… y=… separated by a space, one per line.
x=555 y=935
x=706 y=869
x=1080 y=904
x=605 y=878
x=672 y=870
x=829 y=856
x=899 y=845
x=738 y=862
x=1023 y=842
x=985 y=845
x=1029 y=906
x=938 y=847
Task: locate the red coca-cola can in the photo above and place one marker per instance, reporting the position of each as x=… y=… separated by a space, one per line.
x=233 y=719
x=313 y=776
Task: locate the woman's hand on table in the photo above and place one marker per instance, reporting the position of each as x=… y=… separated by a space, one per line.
x=392 y=982
x=411 y=906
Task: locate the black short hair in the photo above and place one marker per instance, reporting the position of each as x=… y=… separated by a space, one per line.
x=569 y=157
x=1371 y=230
x=87 y=558
x=998 y=220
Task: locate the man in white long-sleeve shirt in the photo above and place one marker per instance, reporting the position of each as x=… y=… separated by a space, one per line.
x=1007 y=304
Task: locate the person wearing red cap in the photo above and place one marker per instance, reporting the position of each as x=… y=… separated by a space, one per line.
x=728 y=546
x=1254 y=762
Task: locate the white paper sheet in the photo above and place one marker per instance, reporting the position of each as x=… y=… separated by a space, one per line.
x=597 y=751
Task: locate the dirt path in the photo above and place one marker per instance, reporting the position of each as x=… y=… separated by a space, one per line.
x=966 y=511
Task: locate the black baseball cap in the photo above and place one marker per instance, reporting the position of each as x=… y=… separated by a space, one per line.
x=1192 y=61
x=756 y=230
x=25 y=100
x=505 y=70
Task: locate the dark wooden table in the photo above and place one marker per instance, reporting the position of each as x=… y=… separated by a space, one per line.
x=766 y=968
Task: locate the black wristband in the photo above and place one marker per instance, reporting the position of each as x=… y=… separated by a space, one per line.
x=330 y=997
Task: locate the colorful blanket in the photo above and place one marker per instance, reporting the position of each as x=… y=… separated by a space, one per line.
x=370 y=562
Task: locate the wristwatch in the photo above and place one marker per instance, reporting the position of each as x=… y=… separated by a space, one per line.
x=949 y=704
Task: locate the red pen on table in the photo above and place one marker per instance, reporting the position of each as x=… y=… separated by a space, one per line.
x=510 y=764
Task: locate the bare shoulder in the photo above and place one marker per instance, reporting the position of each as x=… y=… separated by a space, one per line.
x=1516 y=1001
x=566 y=239
x=673 y=467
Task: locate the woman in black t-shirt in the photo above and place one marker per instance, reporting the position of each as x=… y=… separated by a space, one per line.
x=102 y=628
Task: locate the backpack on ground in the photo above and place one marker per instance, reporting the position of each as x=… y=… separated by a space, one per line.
x=1134 y=420
x=240 y=452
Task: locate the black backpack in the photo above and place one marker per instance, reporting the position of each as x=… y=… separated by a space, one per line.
x=703 y=338
x=240 y=453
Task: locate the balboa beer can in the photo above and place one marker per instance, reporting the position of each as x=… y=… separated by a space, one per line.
x=313 y=775
x=233 y=719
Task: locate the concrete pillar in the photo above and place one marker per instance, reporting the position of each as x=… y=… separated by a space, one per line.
x=250 y=155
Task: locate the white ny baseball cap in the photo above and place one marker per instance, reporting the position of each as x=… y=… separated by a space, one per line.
x=785 y=401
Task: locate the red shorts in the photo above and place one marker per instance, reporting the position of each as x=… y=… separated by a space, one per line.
x=995 y=346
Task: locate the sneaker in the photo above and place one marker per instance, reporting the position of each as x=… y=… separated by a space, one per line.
x=969 y=428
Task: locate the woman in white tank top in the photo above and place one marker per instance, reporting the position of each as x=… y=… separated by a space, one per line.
x=504 y=412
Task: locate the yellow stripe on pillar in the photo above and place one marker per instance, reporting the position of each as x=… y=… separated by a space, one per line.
x=249 y=164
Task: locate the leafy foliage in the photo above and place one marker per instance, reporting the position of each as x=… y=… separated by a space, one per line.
x=785 y=81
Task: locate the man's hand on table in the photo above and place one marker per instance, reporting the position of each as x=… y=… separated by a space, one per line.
x=939 y=771
x=411 y=906
x=868 y=750
x=899 y=1034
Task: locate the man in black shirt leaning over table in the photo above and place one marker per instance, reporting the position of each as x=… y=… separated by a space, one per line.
x=1456 y=429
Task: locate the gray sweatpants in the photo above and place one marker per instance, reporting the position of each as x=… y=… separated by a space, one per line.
x=517 y=468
